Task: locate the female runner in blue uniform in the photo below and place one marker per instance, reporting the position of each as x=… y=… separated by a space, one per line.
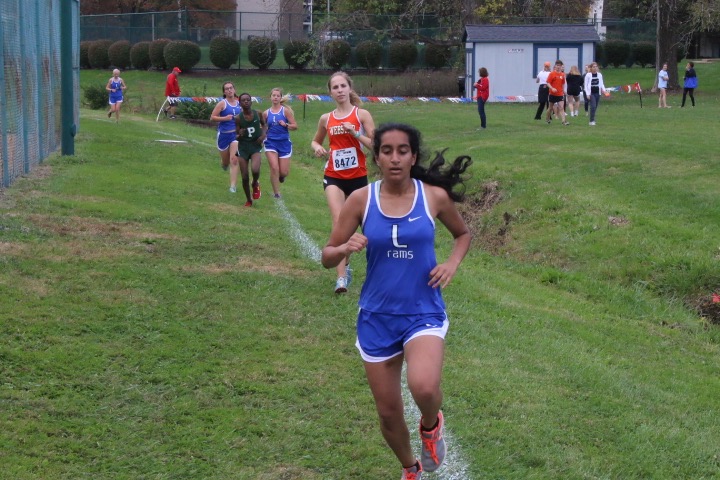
x=402 y=314
x=116 y=86
x=280 y=119
x=224 y=113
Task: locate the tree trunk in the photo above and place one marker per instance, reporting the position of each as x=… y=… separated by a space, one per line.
x=666 y=51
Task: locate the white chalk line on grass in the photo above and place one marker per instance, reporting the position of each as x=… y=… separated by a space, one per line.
x=455 y=466
x=191 y=140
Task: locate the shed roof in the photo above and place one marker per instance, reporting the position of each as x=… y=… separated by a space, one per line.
x=552 y=33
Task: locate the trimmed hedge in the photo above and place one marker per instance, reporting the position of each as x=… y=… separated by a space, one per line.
x=157 y=56
x=337 y=53
x=616 y=52
x=224 y=51
x=140 y=55
x=644 y=53
x=298 y=53
x=369 y=54
x=84 y=60
x=183 y=54
x=402 y=54
x=98 y=54
x=119 y=53
x=437 y=56
x=262 y=52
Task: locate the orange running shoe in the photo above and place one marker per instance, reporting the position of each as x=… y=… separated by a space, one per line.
x=256 y=191
x=412 y=473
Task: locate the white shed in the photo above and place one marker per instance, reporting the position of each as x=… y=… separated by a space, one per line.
x=514 y=54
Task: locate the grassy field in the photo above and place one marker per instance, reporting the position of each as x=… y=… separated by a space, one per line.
x=153 y=327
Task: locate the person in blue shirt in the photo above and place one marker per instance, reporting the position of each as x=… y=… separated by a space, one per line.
x=116 y=86
x=224 y=114
x=280 y=119
x=402 y=313
x=690 y=83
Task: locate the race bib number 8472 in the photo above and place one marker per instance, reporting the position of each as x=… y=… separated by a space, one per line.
x=345 y=159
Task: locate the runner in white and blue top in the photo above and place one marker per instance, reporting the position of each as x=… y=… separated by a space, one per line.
x=400 y=254
x=115 y=86
x=402 y=314
x=280 y=119
x=224 y=113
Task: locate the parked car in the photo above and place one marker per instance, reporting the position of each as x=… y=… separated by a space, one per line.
x=335 y=35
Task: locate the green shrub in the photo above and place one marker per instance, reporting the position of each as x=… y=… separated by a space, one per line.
x=157 y=55
x=140 y=55
x=369 y=54
x=337 y=53
x=96 y=97
x=119 y=53
x=616 y=52
x=262 y=52
x=402 y=54
x=298 y=54
x=600 y=55
x=437 y=56
x=84 y=60
x=195 y=110
x=644 y=53
x=98 y=54
x=224 y=51
x=183 y=54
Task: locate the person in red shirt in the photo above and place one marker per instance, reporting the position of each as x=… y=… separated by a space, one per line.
x=557 y=84
x=483 y=93
x=172 y=89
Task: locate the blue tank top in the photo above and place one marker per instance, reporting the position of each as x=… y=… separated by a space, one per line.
x=118 y=93
x=275 y=130
x=228 y=125
x=400 y=254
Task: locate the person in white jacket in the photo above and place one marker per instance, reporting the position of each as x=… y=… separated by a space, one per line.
x=594 y=86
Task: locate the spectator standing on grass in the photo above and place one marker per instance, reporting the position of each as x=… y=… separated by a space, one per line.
x=690 y=83
x=251 y=130
x=556 y=98
x=402 y=314
x=280 y=119
x=542 y=90
x=594 y=85
x=172 y=89
x=483 y=93
x=586 y=94
x=227 y=144
x=349 y=129
x=574 y=87
x=116 y=86
x=662 y=86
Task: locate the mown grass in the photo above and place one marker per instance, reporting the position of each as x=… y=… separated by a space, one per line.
x=152 y=327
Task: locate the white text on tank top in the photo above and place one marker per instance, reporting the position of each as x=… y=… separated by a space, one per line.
x=275 y=130
x=400 y=255
x=226 y=126
x=344 y=158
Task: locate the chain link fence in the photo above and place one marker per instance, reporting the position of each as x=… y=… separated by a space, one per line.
x=30 y=116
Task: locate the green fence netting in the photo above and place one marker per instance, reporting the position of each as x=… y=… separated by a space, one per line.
x=30 y=127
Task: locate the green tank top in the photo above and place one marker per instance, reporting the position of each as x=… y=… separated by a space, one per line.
x=254 y=130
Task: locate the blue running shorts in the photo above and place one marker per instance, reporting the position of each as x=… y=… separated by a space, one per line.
x=224 y=139
x=282 y=147
x=381 y=336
